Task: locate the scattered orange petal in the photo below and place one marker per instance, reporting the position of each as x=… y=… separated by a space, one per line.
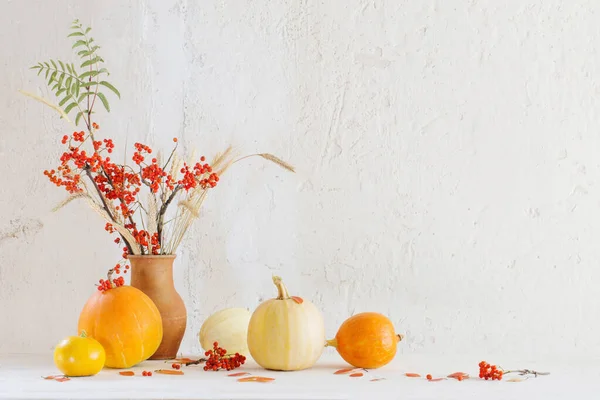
x=127 y=373
x=256 y=379
x=457 y=375
x=376 y=379
x=343 y=371
x=412 y=375
x=297 y=299
x=169 y=371
x=180 y=360
x=514 y=380
x=356 y=375
x=239 y=374
x=58 y=378
x=435 y=379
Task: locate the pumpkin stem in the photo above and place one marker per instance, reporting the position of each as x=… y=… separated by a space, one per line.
x=331 y=343
x=400 y=337
x=282 y=292
x=83 y=334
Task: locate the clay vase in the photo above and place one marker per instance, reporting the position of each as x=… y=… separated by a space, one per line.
x=153 y=275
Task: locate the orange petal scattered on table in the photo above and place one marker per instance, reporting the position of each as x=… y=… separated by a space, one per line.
x=127 y=373
x=169 y=371
x=239 y=374
x=256 y=379
x=412 y=375
x=344 y=371
x=356 y=375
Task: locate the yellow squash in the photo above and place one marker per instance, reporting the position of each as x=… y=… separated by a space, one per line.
x=228 y=327
x=286 y=333
x=79 y=356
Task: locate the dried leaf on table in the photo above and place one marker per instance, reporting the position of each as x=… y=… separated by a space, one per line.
x=376 y=379
x=256 y=379
x=515 y=380
x=127 y=373
x=239 y=374
x=436 y=379
x=343 y=371
x=58 y=378
x=169 y=371
x=356 y=375
x=412 y=375
x=459 y=375
x=180 y=360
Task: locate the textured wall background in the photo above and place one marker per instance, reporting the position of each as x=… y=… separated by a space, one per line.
x=447 y=156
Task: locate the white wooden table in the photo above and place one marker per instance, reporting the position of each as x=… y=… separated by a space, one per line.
x=20 y=378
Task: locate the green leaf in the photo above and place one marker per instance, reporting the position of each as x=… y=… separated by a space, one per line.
x=53 y=64
x=78 y=117
x=88 y=30
x=68 y=83
x=60 y=79
x=76 y=88
x=54 y=87
x=111 y=87
x=40 y=71
x=84 y=95
x=64 y=101
x=62 y=65
x=90 y=62
x=79 y=43
x=85 y=53
x=52 y=77
x=60 y=91
x=47 y=65
x=47 y=72
x=76 y=34
x=103 y=70
x=104 y=101
x=73 y=69
x=88 y=74
x=70 y=107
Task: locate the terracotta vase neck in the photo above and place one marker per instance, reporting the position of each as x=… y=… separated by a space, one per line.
x=152 y=271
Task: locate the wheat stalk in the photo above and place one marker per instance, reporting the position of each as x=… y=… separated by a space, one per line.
x=120 y=228
x=277 y=161
x=48 y=103
x=68 y=200
x=152 y=219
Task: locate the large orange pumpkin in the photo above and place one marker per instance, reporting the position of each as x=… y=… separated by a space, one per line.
x=366 y=340
x=126 y=322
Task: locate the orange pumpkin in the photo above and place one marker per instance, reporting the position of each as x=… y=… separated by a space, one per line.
x=366 y=340
x=126 y=322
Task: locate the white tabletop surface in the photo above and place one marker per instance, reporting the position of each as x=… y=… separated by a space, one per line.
x=20 y=378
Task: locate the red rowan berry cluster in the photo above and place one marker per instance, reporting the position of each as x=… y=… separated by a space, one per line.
x=219 y=359
x=487 y=371
x=108 y=284
x=176 y=366
x=146 y=373
x=118 y=186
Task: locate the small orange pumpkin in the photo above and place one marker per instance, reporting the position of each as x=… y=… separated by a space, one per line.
x=366 y=340
x=126 y=322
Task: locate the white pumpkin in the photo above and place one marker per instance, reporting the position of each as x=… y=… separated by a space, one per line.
x=286 y=333
x=229 y=327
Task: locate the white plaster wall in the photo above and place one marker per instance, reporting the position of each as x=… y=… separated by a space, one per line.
x=447 y=155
